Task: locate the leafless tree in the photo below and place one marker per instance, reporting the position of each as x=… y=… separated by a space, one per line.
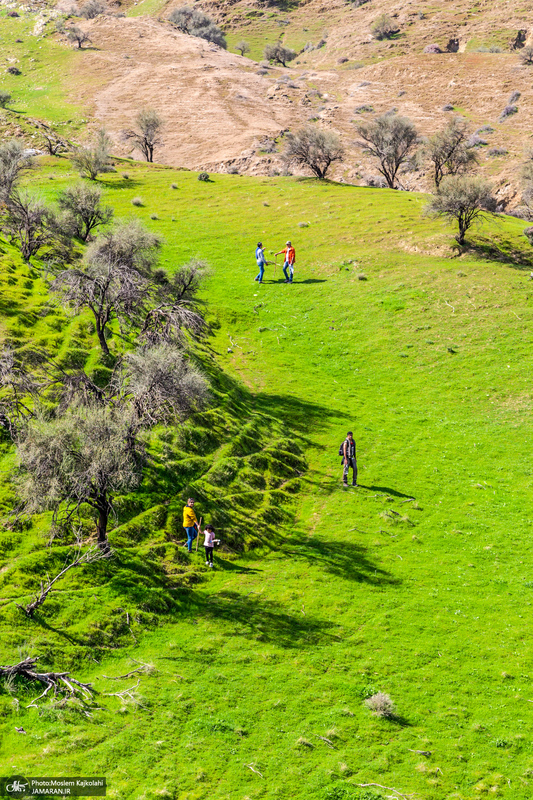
x=83 y=207
x=279 y=54
x=449 y=151
x=391 y=139
x=52 y=143
x=60 y=682
x=29 y=222
x=313 y=148
x=147 y=136
x=75 y=34
x=90 y=161
x=463 y=199
x=242 y=47
x=14 y=161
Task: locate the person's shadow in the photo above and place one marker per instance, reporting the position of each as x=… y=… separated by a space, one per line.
x=386 y=490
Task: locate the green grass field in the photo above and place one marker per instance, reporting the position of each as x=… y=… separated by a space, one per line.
x=418 y=583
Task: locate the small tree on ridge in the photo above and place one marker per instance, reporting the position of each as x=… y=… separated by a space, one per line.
x=463 y=199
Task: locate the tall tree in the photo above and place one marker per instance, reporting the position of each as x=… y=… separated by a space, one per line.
x=313 y=148
x=449 y=150
x=147 y=137
x=390 y=139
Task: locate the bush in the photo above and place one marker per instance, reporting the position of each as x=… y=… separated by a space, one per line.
x=91 y=161
x=380 y=705
x=173 y=185
x=204 y=176
x=448 y=107
x=497 y=151
x=384 y=27
x=364 y=109
x=137 y=201
x=5 y=97
x=14 y=71
x=432 y=48
x=197 y=23
x=313 y=148
x=279 y=54
x=242 y=47
x=526 y=56
x=154 y=216
x=514 y=97
x=92 y=8
x=462 y=199
x=508 y=111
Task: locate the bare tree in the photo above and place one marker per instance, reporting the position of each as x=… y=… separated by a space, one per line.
x=463 y=199
x=91 y=161
x=75 y=34
x=526 y=55
x=93 y=447
x=279 y=54
x=14 y=161
x=60 y=682
x=28 y=222
x=391 y=139
x=92 y=8
x=314 y=148
x=449 y=151
x=53 y=144
x=242 y=47
x=147 y=137
x=83 y=206
x=198 y=23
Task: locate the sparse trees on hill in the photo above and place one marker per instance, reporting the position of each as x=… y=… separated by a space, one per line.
x=93 y=447
x=384 y=27
x=91 y=161
x=198 y=23
x=147 y=137
x=119 y=281
x=313 y=148
x=242 y=47
x=83 y=207
x=76 y=35
x=391 y=139
x=279 y=54
x=463 y=199
x=449 y=151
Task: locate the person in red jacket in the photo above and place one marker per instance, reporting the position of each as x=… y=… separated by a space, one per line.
x=289 y=255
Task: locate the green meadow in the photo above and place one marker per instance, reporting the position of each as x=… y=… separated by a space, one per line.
x=418 y=583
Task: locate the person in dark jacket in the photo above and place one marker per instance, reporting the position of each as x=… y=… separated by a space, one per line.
x=349 y=459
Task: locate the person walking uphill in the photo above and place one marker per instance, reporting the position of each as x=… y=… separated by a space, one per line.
x=190 y=523
x=289 y=254
x=349 y=459
x=261 y=261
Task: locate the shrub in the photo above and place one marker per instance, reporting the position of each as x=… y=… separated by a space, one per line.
x=279 y=54
x=432 y=48
x=91 y=9
x=462 y=199
x=204 y=176
x=173 y=185
x=14 y=71
x=126 y=176
x=526 y=56
x=5 y=97
x=384 y=27
x=508 y=111
x=364 y=109
x=137 y=201
x=242 y=47
x=154 y=216
x=528 y=233
x=380 y=705
x=390 y=139
x=497 y=151
x=314 y=148
x=83 y=208
x=197 y=23
x=448 y=107
x=91 y=161
x=514 y=97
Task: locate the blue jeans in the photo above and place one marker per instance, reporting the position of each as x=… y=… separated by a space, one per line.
x=191 y=536
x=261 y=273
x=291 y=271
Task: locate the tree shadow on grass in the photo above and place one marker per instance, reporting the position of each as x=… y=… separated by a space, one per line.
x=348 y=560
x=503 y=250
x=266 y=620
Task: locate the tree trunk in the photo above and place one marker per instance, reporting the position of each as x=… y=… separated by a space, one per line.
x=101 y=524
x=100 y=330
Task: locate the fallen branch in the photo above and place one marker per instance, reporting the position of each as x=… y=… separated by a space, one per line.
x=122 y=677
x=420 y=752
x=387 y=789
x=125 y=692
x=94 y=553
x=58 y=681
x=327 y=741
x=448 y=304
x=255 y=770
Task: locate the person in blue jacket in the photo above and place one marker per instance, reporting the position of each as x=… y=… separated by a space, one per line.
x=261 y=261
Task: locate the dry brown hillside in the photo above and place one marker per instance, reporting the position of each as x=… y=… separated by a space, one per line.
x=223 y=114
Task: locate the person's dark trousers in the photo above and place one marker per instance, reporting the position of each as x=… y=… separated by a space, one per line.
x=191 y=536
x=208 y=553
x=350 y=462
x=261 y=273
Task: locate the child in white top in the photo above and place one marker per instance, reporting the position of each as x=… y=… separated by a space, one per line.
x=209 y=543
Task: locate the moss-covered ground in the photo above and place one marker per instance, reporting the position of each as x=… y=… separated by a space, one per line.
x=418 y=583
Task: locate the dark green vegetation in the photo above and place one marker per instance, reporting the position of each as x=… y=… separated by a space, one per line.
x=417 y=584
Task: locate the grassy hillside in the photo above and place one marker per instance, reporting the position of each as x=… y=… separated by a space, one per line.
x=416 y=584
